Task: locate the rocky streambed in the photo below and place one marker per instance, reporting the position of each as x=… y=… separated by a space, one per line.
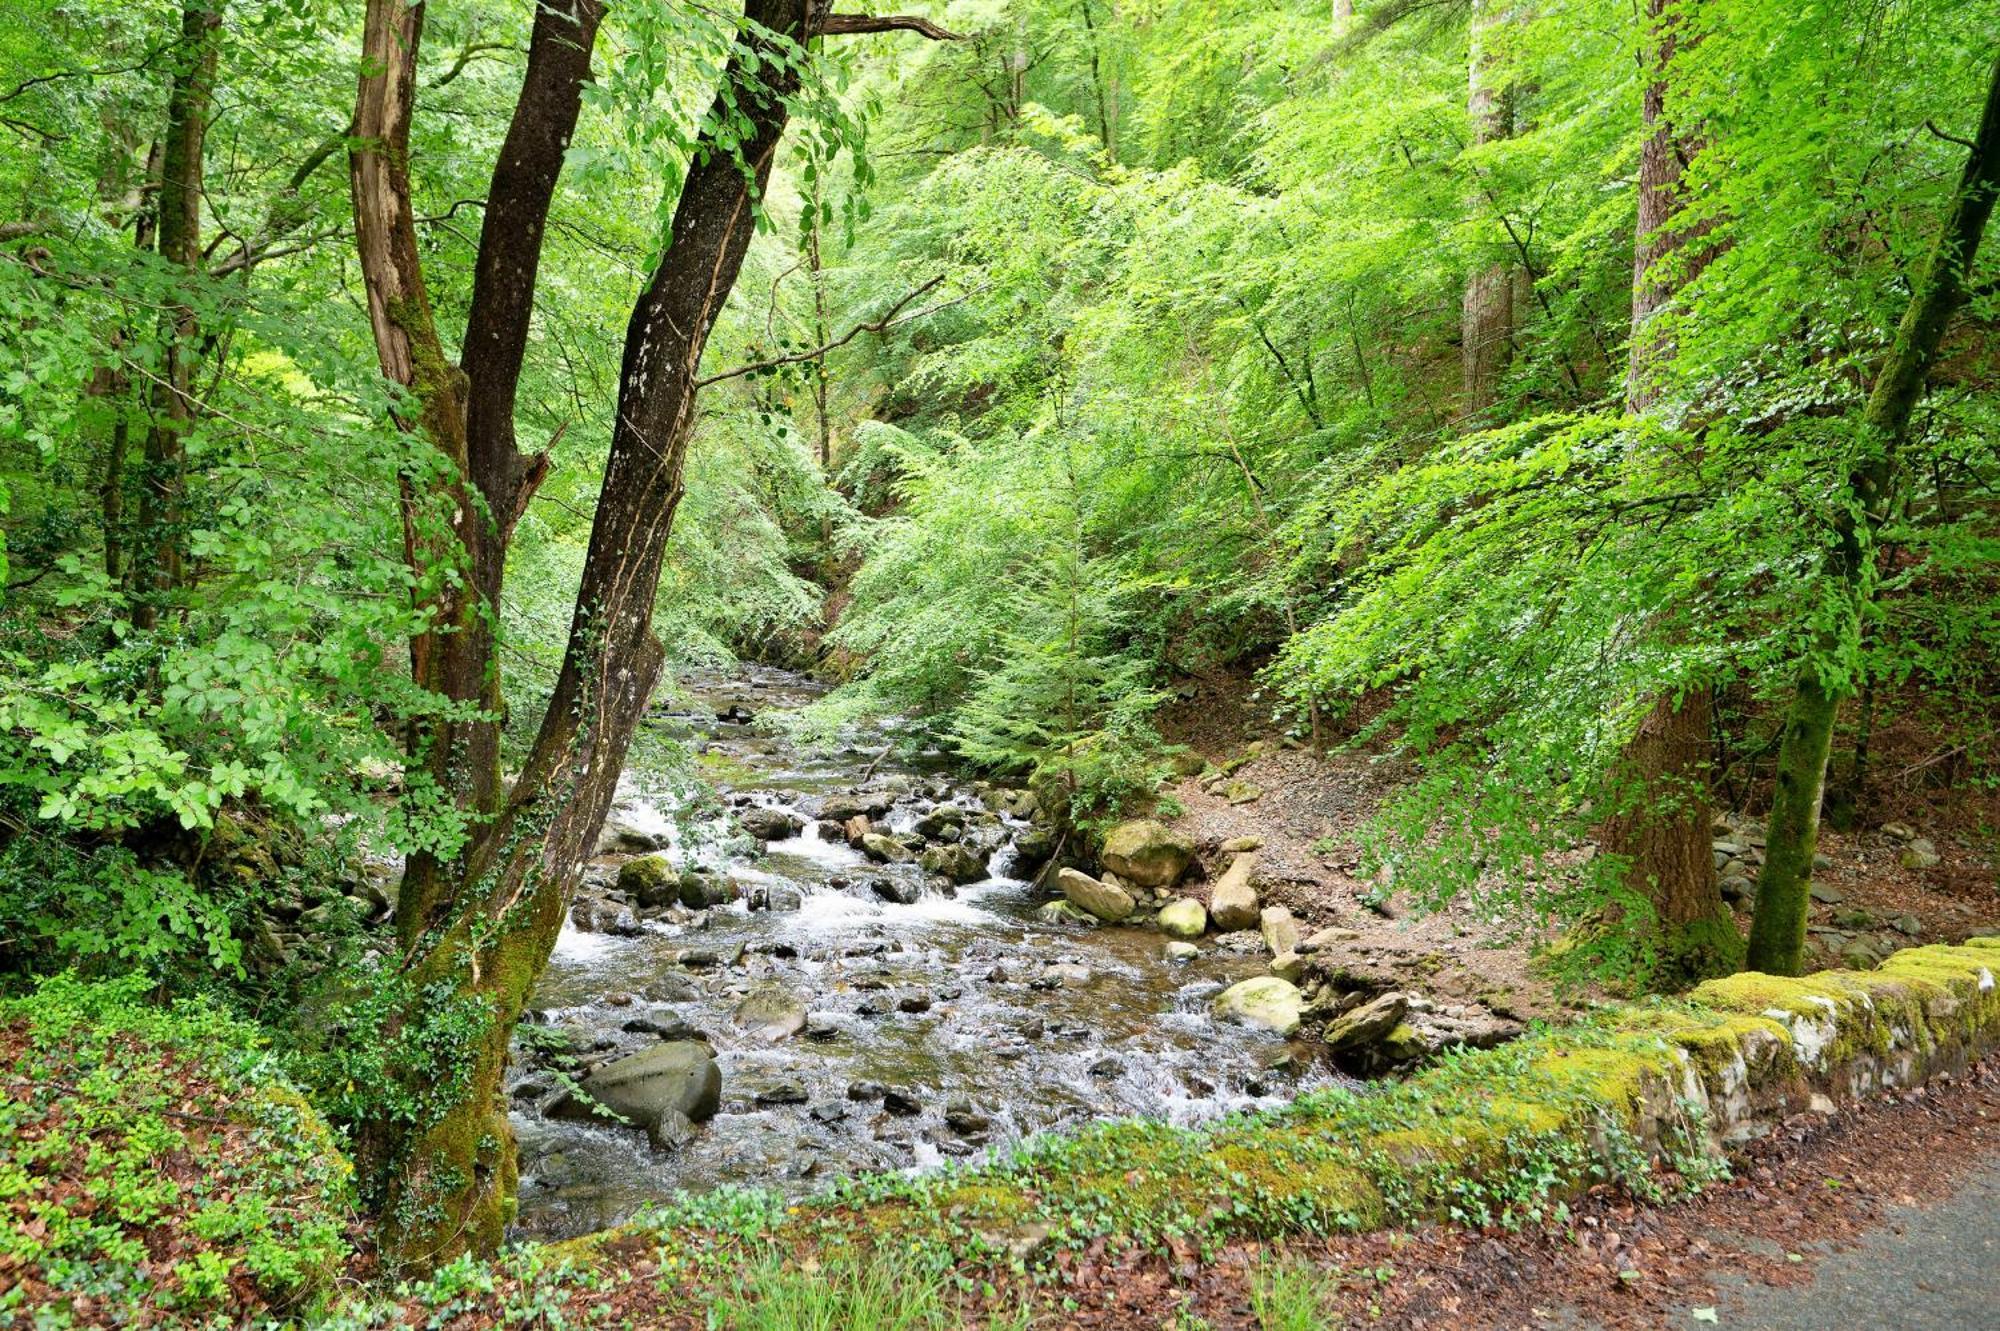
x=846 y=968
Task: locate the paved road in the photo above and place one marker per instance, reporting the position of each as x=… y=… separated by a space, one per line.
x=1929 y=1268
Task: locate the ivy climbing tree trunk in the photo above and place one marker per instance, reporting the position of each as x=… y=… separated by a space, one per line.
x=1778 y=928
x=1661 y=831
x=477 y=926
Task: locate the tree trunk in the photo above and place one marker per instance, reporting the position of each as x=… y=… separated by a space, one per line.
x=161 y=520
x=1777 y=931
x=484 y=925
x=1486 y=333
x=1662 y=830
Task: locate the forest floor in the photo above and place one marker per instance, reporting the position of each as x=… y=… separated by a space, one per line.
x=1308 y=809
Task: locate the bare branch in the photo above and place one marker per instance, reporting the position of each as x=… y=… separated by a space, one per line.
x=878 y=326
x=843 y=25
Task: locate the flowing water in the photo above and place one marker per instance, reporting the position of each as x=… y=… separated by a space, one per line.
x=989 y=1022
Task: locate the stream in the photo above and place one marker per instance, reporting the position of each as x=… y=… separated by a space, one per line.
x=948 y=1023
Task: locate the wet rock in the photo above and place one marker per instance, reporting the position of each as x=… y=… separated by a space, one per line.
x=775 y=897
x=621 y=833
x=960 y=863
x=963 y=1118
x=1367 y=1024
x=1063 y=912
x=855 y=828
x=667 y=1027
x=876 y=1005
x=671 y=1131
x=866 y=1090
x=821 y=1027
x=1146 y=853
x=1106 y=1067
x=829 y=1111
x=901 y=1103
x=672 y=988
x=736 y=714
x=1281 y=932
x=1264 y=1001
x=701 y=889
x=768 y=824
x=840 y=808
x=681 y=1075
x=1232 y=903
x=770 y=1012
x=1033 y=847
x=784 y=1093
x=1101 y=899
x=1185 y=918
x=884 y=849
x=914 y=1002
x=899 y=890
x=699 y=958
x=1179 y=951
x=941 y=823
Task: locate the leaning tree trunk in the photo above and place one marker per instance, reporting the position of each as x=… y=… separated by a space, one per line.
x=1662 y=830
x=481 y=928
x=1778 y=928
x=158 y=561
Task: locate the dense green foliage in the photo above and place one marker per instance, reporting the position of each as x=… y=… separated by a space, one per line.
x=153 y=1164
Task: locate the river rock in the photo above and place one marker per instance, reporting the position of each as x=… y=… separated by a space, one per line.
x=671 y=1131
x=1281 y=931
x=620 y=833
x=1232 y=903
x=770 y=1012
x=1265 y=1001
x=703 y=888
x=1178 y=951
x=884 y=849
x=901 y=1103
x=1101 y=899
x=1063 y=912
x=784 y=1093
x=941 y=823
x=650 y=880
x=1289 y=966
x=958 y=862
x=900 y=891
x=665 y=1027
x=768 y=824
x=680 y=1075
x=841 y=808
x=1186 y=918
x=1367 y=1024
x=1146 y=853
x=1321 y=939
x=1033 y=847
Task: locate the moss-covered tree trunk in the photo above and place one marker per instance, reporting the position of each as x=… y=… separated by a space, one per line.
x=1662 y=828
x=1777 y=931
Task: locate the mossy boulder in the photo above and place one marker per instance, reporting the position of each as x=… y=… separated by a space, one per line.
x=957 y=861
x=680 y=1075
x=1232 y=902
x=1264 y=1001
x=650 y=880
x=1146 y=853
x=1186 y=919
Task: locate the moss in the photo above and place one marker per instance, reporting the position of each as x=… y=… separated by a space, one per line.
x=1614 y=1077
x=1754 y=993
x=1714 y=1045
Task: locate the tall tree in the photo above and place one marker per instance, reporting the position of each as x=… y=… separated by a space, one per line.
x=1486 y=334
x=1826 y=679
x=180 y=201
x=477 y=921
x=1662 y=831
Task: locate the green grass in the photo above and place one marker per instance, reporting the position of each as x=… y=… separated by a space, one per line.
x=1291 y=1294
x=885 y=1294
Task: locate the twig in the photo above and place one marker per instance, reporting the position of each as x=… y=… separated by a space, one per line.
x=880 y=325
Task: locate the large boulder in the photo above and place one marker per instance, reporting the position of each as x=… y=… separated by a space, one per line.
x=680 y=1075
x=1367 y=1024
x=1186 y=918
x=770 y=1012
x=840 y=808
x=1101 y=899
x=1146 y=853
x=621 y=832
x=958 y=862
x=650 y=880
x=1266 y=1002
x=1232 y=903
x=767 y=824
x=702 y=888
